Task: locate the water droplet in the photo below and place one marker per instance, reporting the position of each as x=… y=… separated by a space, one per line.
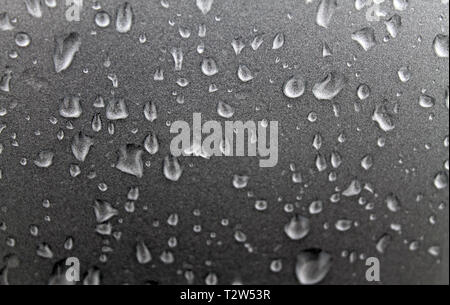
x=393 y=203
x=34 y=8
x=65 y=50
x=312 y=266
x=204 y=5
x=278 y=41
x=329 y=87
x=440 y=45
x=70 y=107
x=172 y=169
x=102 y=19
x=325 y=12
x=365 y=37
x=130 y=160
x=124 y=18
x=143 y=254
x=209 y=67
x=22 y=40
x=294 y=87
x=44 y=159
x=297 y=228
x=81 y=144
x=244 y=73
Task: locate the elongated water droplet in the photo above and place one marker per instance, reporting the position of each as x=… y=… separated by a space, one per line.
x=150 y=111
x=65 y=50
x=177 y=54
x=124 y=18
x=143 y=254
x=325 y=12
x=34 y=8
x=151 y=143
x=278 y=41
x=440 y=45
x=393 y=25
x=172 y=169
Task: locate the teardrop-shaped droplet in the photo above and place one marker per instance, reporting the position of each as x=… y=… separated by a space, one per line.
x=151 y=143
x=150 y=111
x=329 y=87
x=204 y=5
x=65 y=50
x=172 y=169
x=278 y=41
x=143 y=254
x=34 y=8
x=297 y=228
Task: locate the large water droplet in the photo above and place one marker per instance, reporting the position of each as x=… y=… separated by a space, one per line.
x=329 y=87
x=124 y=18
x=294 y=87
x=312 y=266
x=65 y=50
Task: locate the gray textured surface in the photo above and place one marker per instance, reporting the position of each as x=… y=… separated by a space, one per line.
x=206 y=184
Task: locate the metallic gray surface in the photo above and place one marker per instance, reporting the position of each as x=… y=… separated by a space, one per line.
x=206 y=184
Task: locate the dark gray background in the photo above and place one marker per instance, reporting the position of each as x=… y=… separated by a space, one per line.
x=206 y=184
